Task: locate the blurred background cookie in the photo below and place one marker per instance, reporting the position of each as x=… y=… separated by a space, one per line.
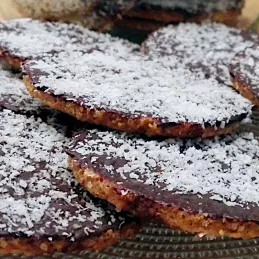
x=98 y=15
x=152 y=14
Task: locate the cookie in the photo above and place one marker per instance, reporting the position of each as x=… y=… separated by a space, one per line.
x=154 y=100
x=148 y=16
x=200 y=186
x=105 y=13
x=186 y=10
x=42 y=208
x=244 y=70
x=97 y=15
x=208 y=47
x=25 y=38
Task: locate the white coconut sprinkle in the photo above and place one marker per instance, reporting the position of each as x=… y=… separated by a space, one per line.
x=136 y=87
x=210 y=45
x=39 y=196
x=225 y=169
x=26 y=38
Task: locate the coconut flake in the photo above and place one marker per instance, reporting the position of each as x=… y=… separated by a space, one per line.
x=13 y=94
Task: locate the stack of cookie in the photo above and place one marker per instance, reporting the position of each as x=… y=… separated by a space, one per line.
x=42 y=207
x=141 y=15
x=150 y=131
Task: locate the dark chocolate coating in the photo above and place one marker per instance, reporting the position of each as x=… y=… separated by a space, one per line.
x=112 y=8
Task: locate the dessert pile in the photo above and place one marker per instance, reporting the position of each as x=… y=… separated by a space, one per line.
x=98 y=133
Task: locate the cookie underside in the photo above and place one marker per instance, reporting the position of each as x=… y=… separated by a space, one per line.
x=33 y=247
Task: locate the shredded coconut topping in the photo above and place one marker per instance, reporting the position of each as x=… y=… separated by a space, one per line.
x=207 y=46
x=226 y=169
x=39 y=196
x=26 y=38
x=245 y=67
x=136 y=87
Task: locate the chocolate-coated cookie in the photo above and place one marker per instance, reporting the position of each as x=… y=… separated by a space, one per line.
x=135 y=95
x=199 y=186
x=25 y=38
x=42 y=208
x=94 y=14
x=208 y=47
